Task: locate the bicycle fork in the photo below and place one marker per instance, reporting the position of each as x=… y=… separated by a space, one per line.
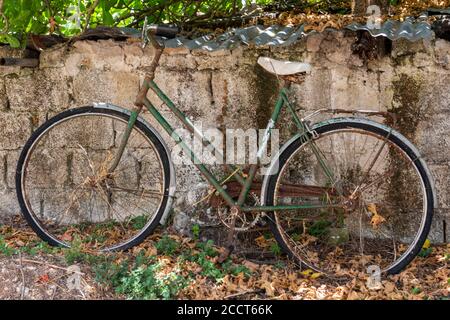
x=133 y=117
x=140 y=101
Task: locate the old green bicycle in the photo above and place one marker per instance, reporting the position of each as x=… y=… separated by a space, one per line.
x=344 y=193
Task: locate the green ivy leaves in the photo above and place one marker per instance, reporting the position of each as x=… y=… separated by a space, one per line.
x=70 y=17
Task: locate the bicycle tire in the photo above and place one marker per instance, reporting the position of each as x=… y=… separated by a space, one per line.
x=37 y=134
x=371 y=127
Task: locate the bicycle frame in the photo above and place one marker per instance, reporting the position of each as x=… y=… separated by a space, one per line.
x=237 y=173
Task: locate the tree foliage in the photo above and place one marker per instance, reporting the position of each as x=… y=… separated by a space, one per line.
x=69 y=17
x=18 y=18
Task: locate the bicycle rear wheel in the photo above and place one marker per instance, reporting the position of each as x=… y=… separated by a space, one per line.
x=374 y=209
x=67 y=194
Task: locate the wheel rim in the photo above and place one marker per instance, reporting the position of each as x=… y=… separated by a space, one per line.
x=320 y=256
x=117 y=222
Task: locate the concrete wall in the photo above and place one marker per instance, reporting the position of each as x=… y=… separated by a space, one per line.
x=227 y=89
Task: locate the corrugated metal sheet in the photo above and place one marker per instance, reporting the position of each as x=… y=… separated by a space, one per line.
x=256 y=35
x=435 y=12
x=410 y=29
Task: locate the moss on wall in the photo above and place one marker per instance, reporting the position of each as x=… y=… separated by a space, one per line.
x=406 y=104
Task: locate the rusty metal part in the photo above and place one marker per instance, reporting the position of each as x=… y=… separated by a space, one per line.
x=385 y=114
x=41 y=42
x=21 y=62
x=286 y=190
x=139 y=101
x=370 y=113
x=150 y=75
x=244 y=220
x=294 y=78
x=234 y=211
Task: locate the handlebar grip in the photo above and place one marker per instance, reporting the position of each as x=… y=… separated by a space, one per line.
x=164 y=30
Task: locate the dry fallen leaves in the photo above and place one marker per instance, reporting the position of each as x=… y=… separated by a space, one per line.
x=389 y=287
x=424 y=278
x=250 y=265
x=67 y=236
x=319 y=22
x=377 y=219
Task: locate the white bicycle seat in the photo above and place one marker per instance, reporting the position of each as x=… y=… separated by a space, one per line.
x=283 y=68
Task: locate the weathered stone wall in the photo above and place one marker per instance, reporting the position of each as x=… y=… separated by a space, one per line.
x=228 y=89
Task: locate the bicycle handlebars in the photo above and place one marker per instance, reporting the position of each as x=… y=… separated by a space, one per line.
x=164 y=30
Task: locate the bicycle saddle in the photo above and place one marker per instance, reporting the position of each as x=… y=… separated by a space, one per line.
x=283 y=68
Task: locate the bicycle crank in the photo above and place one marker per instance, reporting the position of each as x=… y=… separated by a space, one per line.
x=238 y=220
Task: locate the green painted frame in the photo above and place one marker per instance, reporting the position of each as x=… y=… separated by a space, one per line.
x=237 y=173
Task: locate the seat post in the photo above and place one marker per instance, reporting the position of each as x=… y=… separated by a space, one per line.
x=286 y=83
x=294 y=78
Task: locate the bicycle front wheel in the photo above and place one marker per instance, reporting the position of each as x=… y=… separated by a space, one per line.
x=67 y=192
x=366 y=194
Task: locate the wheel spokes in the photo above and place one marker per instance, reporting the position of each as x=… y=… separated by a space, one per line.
x=86 y=199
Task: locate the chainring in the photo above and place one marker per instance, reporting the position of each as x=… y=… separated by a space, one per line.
x=244 y=220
